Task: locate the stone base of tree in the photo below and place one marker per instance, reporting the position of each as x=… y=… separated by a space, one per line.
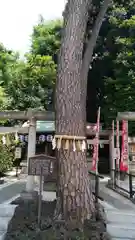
x=29 y=195
x=1 y=181
x=24 y=225
x=50 y=186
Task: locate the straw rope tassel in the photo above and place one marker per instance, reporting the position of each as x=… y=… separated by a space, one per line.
x=66 y=144
x=59 y=143
x=79 y=147
x=78 y=142
x=74 y=146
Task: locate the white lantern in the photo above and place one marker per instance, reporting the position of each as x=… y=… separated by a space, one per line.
x=21 y=137
x=49 y=138
x=42 y=138
x=26 y=138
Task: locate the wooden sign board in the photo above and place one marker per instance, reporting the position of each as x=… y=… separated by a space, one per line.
x=18 y=152
x=132 y=148
x=40 y=165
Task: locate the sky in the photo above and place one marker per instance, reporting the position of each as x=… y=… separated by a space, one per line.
x=17 y=18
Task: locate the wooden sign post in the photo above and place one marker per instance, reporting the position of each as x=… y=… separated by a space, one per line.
x=40 y=165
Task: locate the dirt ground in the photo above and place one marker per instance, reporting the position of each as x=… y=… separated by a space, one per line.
x=23 y=225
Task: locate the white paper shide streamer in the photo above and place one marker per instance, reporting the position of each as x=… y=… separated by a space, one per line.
x=4 y=140
x=16 y=137
x=54 y=143
x=83 y=146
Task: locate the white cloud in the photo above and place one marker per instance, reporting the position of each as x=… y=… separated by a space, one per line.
x=17 y=18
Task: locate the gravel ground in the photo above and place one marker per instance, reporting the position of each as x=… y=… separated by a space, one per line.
x=23 y=225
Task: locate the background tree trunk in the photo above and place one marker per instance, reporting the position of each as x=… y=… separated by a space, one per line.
x=90 y=48
x=74 y=188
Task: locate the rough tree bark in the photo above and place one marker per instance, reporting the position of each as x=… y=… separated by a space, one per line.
x=74 y=188
x=74 y=195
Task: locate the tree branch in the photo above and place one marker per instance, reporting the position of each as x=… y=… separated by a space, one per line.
x=92 y=42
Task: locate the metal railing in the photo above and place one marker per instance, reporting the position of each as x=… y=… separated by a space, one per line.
x=96 y=187
x=130 y=191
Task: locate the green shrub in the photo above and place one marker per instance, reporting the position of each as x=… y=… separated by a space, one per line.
x=6 y=157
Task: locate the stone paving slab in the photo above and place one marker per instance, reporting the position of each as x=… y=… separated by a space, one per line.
x=121 y=238
x=115 y=199
x=6 y=210
x=5 y=218
x=121 y=231
x=125 y=184
x=116 y=216
x=4 y=223
x=2 y=235
x=12 y=190
x=107 y=205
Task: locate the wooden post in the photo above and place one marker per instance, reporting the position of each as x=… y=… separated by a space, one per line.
x=128 y=152
x=118 y=151
x=111 y=150
x=40 y=198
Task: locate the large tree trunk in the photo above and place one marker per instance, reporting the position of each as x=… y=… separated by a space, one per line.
x=74 y=187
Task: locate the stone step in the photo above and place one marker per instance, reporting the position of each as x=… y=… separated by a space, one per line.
x=120 y=216
x=6 y=210
x=123 y=231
